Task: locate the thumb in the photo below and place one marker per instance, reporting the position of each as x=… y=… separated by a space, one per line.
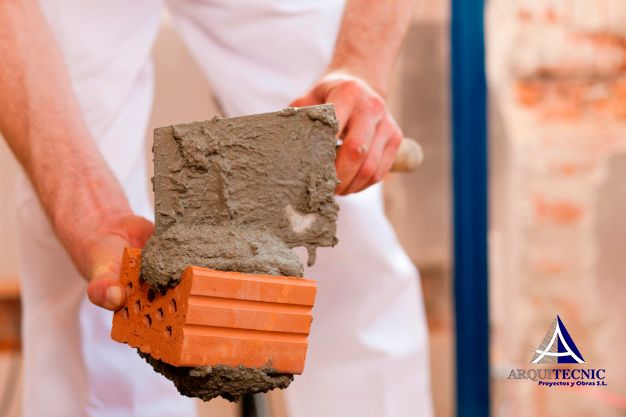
x=101 y=259
x=105 y=291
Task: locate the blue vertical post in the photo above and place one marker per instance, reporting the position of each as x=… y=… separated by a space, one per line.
x=469 y=155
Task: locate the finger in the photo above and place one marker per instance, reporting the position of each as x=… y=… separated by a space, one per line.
x=369 y=168
x=389 y=153
x=105 y=291
x=354 y=150
x=344 y=97
x=105 y=257
x=308 y=100
x=139 y=230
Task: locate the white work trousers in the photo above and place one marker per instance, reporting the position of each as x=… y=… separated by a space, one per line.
x=368 y=345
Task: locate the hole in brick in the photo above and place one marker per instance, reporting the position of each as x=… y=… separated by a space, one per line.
x=159 y=314
x=147 y=320
x=173 y=305
x=168 y=331
x=130 y=285
x=125 y=312
x=129 y=289
x=151 y=295
x=137 y=307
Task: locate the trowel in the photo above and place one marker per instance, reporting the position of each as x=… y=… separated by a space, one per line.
x=217 y=302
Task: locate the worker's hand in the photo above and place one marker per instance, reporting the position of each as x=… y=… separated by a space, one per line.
x=369 y=133
x=102 y=255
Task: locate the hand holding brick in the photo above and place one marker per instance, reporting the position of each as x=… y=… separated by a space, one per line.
x=217 y=318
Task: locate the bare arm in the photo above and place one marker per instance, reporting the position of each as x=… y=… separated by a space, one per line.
x=372 y=32
x=356 y=81
x=41 y=121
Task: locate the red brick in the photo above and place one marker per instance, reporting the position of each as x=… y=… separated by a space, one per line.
x=218 y=318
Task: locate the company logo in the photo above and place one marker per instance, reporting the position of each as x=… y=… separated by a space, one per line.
x=557 y=346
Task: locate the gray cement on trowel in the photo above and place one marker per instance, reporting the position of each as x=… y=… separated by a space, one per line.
x=236 y=195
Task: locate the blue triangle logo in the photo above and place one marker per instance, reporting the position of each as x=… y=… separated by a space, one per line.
x=557 y=346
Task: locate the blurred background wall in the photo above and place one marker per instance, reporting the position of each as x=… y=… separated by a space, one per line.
x=557 y=75
x=8 y=232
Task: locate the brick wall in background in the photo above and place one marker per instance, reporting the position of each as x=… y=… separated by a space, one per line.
x=557 y=74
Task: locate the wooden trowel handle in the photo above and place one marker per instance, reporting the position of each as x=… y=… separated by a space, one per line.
x=409 y=156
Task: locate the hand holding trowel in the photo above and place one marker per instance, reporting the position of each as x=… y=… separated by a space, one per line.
x=216 y=301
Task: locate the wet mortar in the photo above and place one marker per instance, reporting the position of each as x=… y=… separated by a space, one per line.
x=237 y=195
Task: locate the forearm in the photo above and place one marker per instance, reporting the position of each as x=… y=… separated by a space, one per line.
x=370 y=38
x=41 y=122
